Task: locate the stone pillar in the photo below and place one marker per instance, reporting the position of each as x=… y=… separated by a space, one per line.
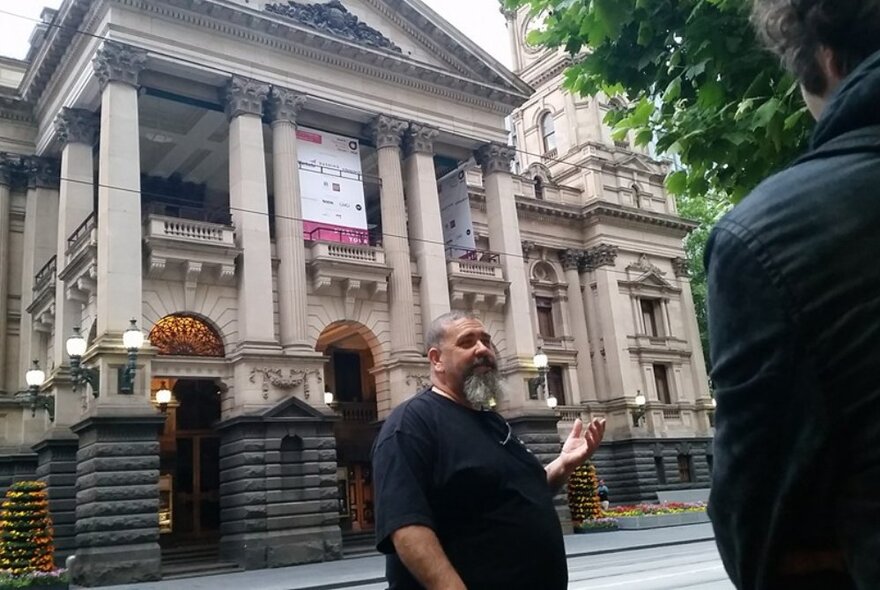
x=692 y=330
x=18 y=465
x=39 y=244
x=426 y=229
x=56 y=466
x=77 y=130
x=249 y=201
x=586 y=383
x=284 y=106
x=6 y=170
x=119 y=296
x=504 y=238
x=117 y=500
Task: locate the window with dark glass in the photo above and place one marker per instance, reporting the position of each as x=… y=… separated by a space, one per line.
x=650 y=316
x=661 y=471
x=539 y=188
x=544 y=306
x=661 y=378
x=548 y=132
x=555 y=384
x=685 y=469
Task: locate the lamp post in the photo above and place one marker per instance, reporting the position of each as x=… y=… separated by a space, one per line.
x=641 y=407
x=31 y=397
x=76 y=348
x=538 y=385
x=163 y=397
x=132 y=340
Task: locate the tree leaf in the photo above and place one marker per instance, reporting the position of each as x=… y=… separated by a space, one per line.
x=676 y=182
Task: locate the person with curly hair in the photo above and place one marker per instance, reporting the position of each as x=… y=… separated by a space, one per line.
x=794 y=322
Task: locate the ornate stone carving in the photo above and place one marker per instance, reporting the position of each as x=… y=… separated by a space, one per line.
x=42 y=172
x=419 y=139
x=9 y=168
x=571 y=259
x=418 y=381
x=527 y=247
x=386 y=131
x=333 y=18
x=245 y=97
x=277 y=378
x=681 y=268
x=117 y=62
x=601 y=255
x=495 y=157
x=77 y=126
x=284 y=104
x=644 y=265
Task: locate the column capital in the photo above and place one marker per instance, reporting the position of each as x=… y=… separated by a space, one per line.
x=9 y=167
x=386 y=131
x=42 y=172
x=495 y=157
x=419 y=139
x=571 y=258
x=118 y=62
x=284 y=105
x=598 y=256
x=527 y=247
x=681 y=268
x=77 y=126
x=245 y=97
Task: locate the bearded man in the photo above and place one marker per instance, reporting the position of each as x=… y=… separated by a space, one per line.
x=460 y=502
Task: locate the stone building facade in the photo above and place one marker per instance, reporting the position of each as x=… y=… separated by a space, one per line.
x=150 y=170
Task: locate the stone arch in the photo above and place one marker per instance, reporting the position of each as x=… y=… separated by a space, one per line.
x=187 y=334
x=375 y=346
x=536 y=169
x=292 y=449
x=544 y=272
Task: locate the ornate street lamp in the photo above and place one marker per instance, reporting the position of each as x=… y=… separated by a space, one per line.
x=76 y=348
x=328 y=397
x=163 y=398
x=132 y=340
x=538 y=385
x=31 y=397
x=641 y=407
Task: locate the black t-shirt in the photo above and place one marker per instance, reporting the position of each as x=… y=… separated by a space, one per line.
x=441 y=465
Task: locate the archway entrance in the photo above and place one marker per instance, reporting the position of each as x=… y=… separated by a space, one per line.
x=348 y=375
x=189 y=464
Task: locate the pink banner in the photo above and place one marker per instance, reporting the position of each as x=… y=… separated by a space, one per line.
x=326 y=232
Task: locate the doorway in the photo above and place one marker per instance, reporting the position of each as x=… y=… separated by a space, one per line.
x=190 y=464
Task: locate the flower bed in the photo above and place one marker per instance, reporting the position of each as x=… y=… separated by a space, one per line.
x=53 y=580
x=655 y=509
x=647 y=516
x=596 y=525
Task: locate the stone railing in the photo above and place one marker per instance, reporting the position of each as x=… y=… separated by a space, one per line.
x=348 y=252
x=672 y=413
x=568 y=413
x=82 y=236
x=46 y=275
x=199 y=232
x=360 y=412
x=474 y=263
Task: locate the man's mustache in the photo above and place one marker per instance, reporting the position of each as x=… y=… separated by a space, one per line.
x=485 y=362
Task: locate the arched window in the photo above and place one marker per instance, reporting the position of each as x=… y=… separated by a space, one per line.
x=186 y=335
x=637 y=196
x=548 y=132
x=539 y=188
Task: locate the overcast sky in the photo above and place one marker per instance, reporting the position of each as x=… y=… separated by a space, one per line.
x=478 y=19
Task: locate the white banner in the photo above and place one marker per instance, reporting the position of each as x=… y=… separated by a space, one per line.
x=455 y=214
x=331 y=187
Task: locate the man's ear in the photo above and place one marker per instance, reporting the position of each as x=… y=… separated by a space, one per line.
x=831 y=67
x=434 y=358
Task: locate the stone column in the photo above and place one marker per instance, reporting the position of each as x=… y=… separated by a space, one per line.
x=586 y=383
x=119 y=296
x=504 y=238
x=425 y=227
x=77 y=130
x=692 y=331
x=56 y=466
x=388 y=132
x=283 y=106
x=39 y=244
x=6 y=169
x=249 y=201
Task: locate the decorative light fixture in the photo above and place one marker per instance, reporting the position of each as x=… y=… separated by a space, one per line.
x=132 y=340
x=163 y=397
x=638 y=414
x=328 y=397
x=552 y=402
x=31 y=397
x=76 y=348
x=538 y=385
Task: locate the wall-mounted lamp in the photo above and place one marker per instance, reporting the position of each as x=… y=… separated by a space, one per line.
x=163 y=397
x=132 y=340
x=76 y=348
x=638 y=413
x=538 y=385
x=328 y=397
x=31 y=397
x=552 y=402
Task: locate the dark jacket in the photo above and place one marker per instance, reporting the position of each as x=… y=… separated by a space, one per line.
x=794 y=323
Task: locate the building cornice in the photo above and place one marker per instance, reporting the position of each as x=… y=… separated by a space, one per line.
x=15 y=109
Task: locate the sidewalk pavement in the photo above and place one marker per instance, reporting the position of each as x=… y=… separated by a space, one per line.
x=371 y=569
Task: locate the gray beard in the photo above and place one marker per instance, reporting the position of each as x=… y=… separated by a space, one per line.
x=479 y=389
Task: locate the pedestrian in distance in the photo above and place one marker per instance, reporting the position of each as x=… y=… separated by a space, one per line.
x=460 y=501
x=602 y=491
x=794 y=324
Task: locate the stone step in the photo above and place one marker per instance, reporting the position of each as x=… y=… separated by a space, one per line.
x=198 y=568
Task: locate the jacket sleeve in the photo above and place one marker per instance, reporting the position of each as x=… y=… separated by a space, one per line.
x=754 y=354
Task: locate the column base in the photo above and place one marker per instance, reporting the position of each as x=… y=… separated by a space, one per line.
x=56 y=465
x=16 y=464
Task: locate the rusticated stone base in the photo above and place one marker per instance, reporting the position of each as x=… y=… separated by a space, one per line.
x=16 y=465
x=56 y=465
x=278 y=494
x=117 y=500
x=541 y=437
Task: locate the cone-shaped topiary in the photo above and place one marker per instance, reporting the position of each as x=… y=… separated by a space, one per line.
x=26 y=530
x=583 y=499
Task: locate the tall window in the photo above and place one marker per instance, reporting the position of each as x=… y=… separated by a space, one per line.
x=661 y=378
x=685 y=469
x=651 y=317
x=544 y=306
x=661 y=471
x=539 y=188
x=548 y=132
x=555 y=384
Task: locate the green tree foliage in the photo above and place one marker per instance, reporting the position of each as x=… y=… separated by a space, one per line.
x=696 y=80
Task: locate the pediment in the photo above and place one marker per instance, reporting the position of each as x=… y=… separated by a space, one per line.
x=293 y=407
x=407 y=29
x=652 y=279
x=641 y=163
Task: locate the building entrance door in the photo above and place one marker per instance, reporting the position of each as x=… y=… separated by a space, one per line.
x=190 y=465
x=360 y=494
